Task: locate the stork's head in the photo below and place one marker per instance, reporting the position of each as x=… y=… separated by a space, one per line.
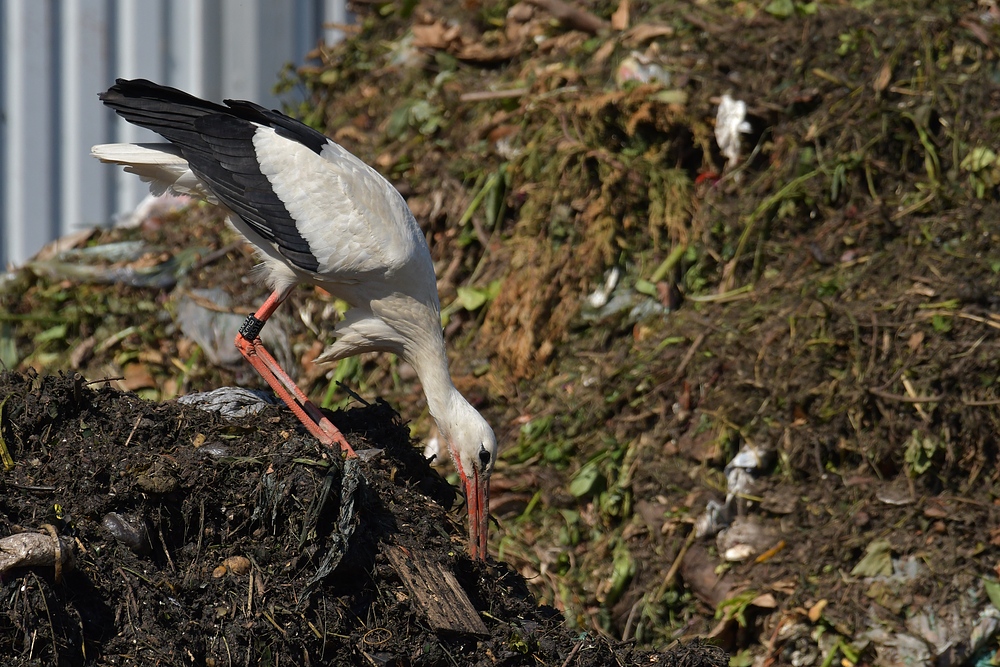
x=473 y=447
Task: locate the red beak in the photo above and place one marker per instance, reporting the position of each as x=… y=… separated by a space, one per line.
x=477 y=497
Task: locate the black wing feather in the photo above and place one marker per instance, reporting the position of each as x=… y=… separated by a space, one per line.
x=217 y=142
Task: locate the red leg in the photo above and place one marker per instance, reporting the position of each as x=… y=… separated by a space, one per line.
x=249 y=344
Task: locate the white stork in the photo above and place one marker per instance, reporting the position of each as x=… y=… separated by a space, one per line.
x=316 y=214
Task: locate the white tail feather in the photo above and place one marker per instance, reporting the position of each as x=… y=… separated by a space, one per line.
x=160 y=165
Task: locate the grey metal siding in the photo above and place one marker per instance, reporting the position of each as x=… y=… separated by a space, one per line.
x=58 y=54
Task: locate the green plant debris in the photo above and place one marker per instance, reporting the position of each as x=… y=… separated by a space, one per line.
x=920 y=452
x=993 y=591
x=876 y=562
x=736 y=607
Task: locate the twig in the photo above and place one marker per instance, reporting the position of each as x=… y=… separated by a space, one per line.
x=215 y=255
x=572 y=654
x=115 y=338
x=249 y=611
x=788 y=191
x=57 y=546
x=273 y=622
x=631 y=617
x=48 y=614
x=163 y=542
x=902 y=213
x=485 y=95
x=905 y=399
x=34 y=488
x=668 y=580
x=770 y=553
x=572 y=17
x=353 y=394
x=201 y=530
x=208 y=304
x=744 y=292
x=108 y=380
x=136 y=426
x=689 y=355
x=972 y=403
x=912 y=393
x=977 y=318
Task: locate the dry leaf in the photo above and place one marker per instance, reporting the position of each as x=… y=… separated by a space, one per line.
x=82 y=353
x=237 y=565
x=602 y=54
x=137 y=376
x=935 y=510
x=475 y=52
x=882 y=79
x=765 y=601
x=645 y=32
x=620 y=19
x=522 y=12
x=816 y=611
x=977 y=30
x=435 y=35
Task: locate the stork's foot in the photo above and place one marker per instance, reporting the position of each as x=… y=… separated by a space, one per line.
x=307 y=412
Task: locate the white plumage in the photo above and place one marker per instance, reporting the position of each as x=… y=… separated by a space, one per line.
x=318 y=215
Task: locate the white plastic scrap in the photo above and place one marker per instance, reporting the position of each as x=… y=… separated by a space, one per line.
x=746 y=537
x=152 y=205
x=740 y=473
x=713 y=519
x=640 y=67
x=741 y=470
x=599 y=296
x=985 y=629
x=232 y=402
x=730 y=121
x=898 y=648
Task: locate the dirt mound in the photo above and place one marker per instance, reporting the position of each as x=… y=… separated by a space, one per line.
x=201 y=539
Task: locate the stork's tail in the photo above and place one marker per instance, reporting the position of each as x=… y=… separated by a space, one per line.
x=167 y=111
x=160 y=165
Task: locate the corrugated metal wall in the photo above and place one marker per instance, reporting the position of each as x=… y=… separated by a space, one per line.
x=58 y=54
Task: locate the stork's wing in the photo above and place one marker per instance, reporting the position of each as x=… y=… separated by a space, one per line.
x=319 y=206
x=357 y=224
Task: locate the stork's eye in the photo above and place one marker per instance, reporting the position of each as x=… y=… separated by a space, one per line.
x=484 y=457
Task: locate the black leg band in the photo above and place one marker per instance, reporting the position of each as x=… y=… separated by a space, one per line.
x=251 y=328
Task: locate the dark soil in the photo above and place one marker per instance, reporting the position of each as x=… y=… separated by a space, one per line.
x=160 y=498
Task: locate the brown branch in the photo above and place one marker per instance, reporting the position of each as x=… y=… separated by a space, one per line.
x=36 y=550
x=572 y=17
x=483 y=95
x=906 y=399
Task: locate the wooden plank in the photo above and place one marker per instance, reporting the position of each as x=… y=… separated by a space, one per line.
x=436 y=591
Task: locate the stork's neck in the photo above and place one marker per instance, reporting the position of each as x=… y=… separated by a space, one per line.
x=469 y=438
x=431 y=364
x=419 y=325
